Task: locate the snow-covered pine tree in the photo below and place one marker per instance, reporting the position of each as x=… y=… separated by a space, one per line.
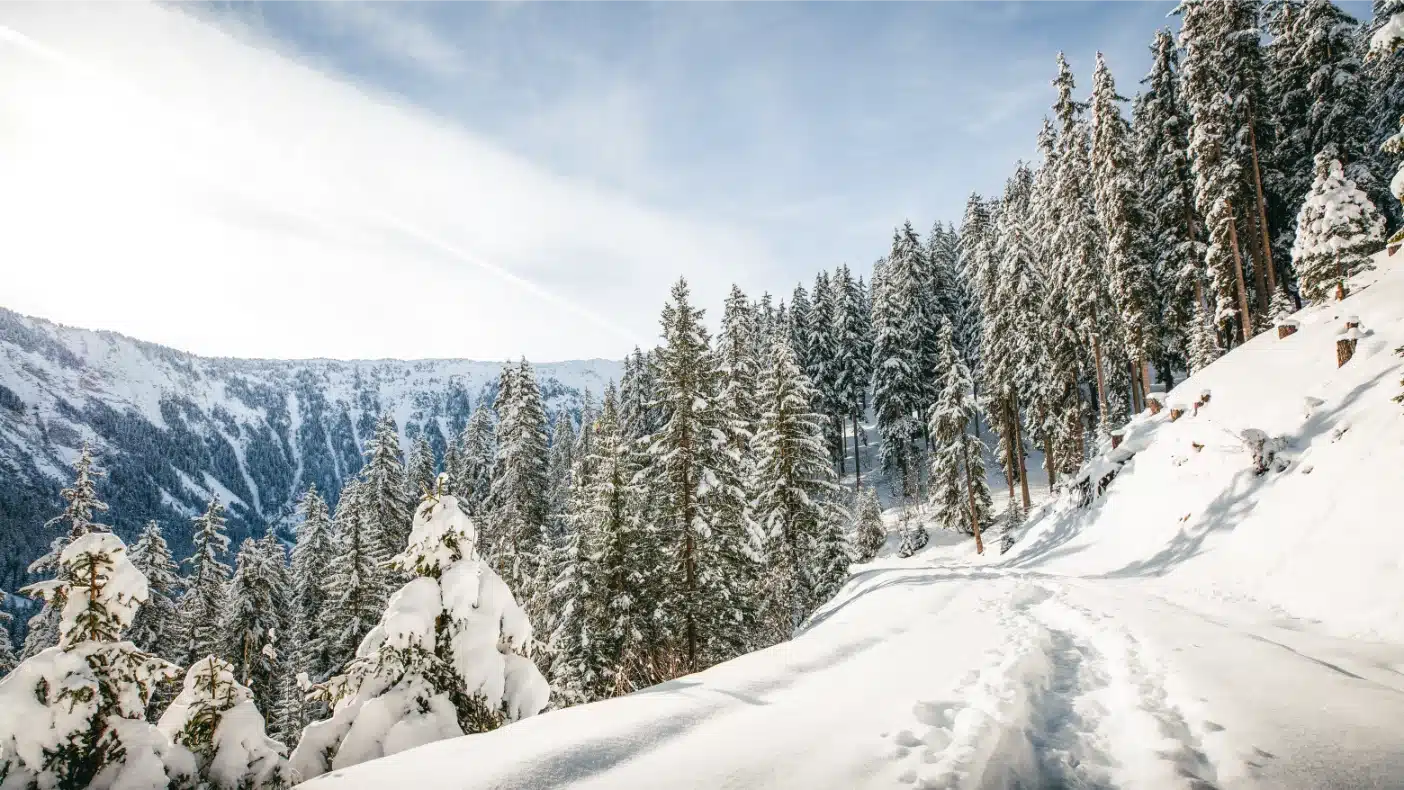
x=251 y=623
x=701 y=508
x=471 y=476
x=854 y=344
x=794 y=489
x=559 y=466
x=800 y=323
x=384 y=493
x=75 y=713
x=740 y=369
x=8 y=659
x=1222 y=174
x=517 y=504
x=76 y=520
x=355 y=586
x=217 y=721
x=1337 y=230
x=1167 y=195
x=571 y=607
x=312 y=567
x=420 y=471
x=1116 y=195
x=959 y=493
x=156 y=626
x=822 y=366
x=447 y=658
x=202 y=606
x=638 y=412
x=870 y=532
x=1384 y=72
x=626 y=562
x=897 y=384
x=974 y=251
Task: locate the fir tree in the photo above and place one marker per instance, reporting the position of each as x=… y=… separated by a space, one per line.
x=518 y=504
x=897 y=371
x=871 y=532
x=420 y=470
x=448 y=657
x=355 y=587
x=76 y=712
x=559 y=467
x=470 y=477
x=794 y=487
x=384 y=493
x=959 y=492
x=156 y=628
x=251 y=625
x=1338 y=228
x=1384 y=72
x=203 y=605
x=313 y=556
x=8 y=659
x=76 y=520
x=854 y=344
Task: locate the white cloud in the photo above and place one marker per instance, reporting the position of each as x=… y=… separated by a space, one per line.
x=171 y=182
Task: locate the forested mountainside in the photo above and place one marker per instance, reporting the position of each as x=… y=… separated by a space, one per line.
x=174 y=429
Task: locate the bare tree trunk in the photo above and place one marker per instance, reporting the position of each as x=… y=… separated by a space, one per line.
x=1019 y=452
x=1259 y=284
x=1101 y=377
x=1008 y=453
x=1245 y=323
x=1145 y=382
x=1262 y=204
x=970 y=494
x=857 y=464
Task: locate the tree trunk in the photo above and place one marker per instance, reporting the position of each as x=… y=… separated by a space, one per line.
x=1145 y=382
x=1019 y=453
x=857 y=464
x=1008 y=453
x=1262 y=204
x=1101 y=377
x=1245 y=322
x=1258 y=284
x=970 y=494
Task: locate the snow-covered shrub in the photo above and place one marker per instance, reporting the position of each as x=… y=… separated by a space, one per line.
x=1337 y=230
x=215 y=719
x=1264 y=450
x=447 y=658
x=74 y=715
x=871 y=534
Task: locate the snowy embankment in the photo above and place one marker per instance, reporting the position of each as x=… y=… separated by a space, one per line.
x=1198 y=626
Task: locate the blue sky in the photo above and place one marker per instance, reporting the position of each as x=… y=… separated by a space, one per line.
x=484 y=180
x=817 y=127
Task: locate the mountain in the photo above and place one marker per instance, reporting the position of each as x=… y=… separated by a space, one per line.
x=174 y=429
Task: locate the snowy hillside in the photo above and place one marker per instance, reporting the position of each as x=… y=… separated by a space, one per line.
x=174 y=428
x=1198 y=625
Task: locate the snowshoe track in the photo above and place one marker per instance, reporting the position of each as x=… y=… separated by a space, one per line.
x=1070 y=702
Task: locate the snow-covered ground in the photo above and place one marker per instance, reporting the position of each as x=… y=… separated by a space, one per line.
x=1198 y=626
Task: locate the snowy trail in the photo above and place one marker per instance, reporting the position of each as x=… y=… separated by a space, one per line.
x=958 y=676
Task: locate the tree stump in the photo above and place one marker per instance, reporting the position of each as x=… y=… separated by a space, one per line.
x=1394 y=247
x=1154 y=405
x=1116 y=439
x=1286 y=329
x=1345 y=349
x=1176 y=412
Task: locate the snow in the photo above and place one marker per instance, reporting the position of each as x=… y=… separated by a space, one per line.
x=1196 y=625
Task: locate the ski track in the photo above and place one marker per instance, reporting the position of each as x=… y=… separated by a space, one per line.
x=1070 y=701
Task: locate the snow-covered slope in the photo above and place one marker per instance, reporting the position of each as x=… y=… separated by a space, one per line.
x=1186 y=629
x=173 y=428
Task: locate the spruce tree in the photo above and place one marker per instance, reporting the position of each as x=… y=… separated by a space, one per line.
x=203 y=605
x=854 y=346
x=959 y=493
x=470 y=478
x=518 y=504
x=794 y=485
x=420 y=471
x=384 y=493
x=559 y=467
x=355 y=586
x=313 y=556
x=897 y=371
x=1338 y=228
x=76 y=520
x=217 y=720
x=1384 y=72
x=870 y=531
x=156 y=627
x=75 y=713
x=251 y=625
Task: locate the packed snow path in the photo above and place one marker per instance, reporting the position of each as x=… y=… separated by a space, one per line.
x=967 y=677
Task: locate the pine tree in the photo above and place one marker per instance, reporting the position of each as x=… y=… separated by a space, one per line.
x=470 y=477
x=385 y=500
x=1115 y=180
x=822 y=366
x=251 y=626
x=1338 y=229
x=448 y=657
x=77 y=520
x=854 y=344
x=974 y=250
x=794 y=486
x=216 y=719
x=573 y=674
x=560 y=464
x=1384 y=71
x=313 y=556
x=355 y=587
x=897 y=384
x=420 y=471
x=156 y=627
x=76 y=712
x=8 y=659
x=623 y=555
x=203 y=605
x=959 y=492
x=517 y=503
x=871 y=532
x=799 y=325
x=1162 y=129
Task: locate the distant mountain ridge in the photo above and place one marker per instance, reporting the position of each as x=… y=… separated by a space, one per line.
x=173 y=428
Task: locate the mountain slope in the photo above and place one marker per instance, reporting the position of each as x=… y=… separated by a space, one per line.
x=173 y=428
x=1182 y=629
